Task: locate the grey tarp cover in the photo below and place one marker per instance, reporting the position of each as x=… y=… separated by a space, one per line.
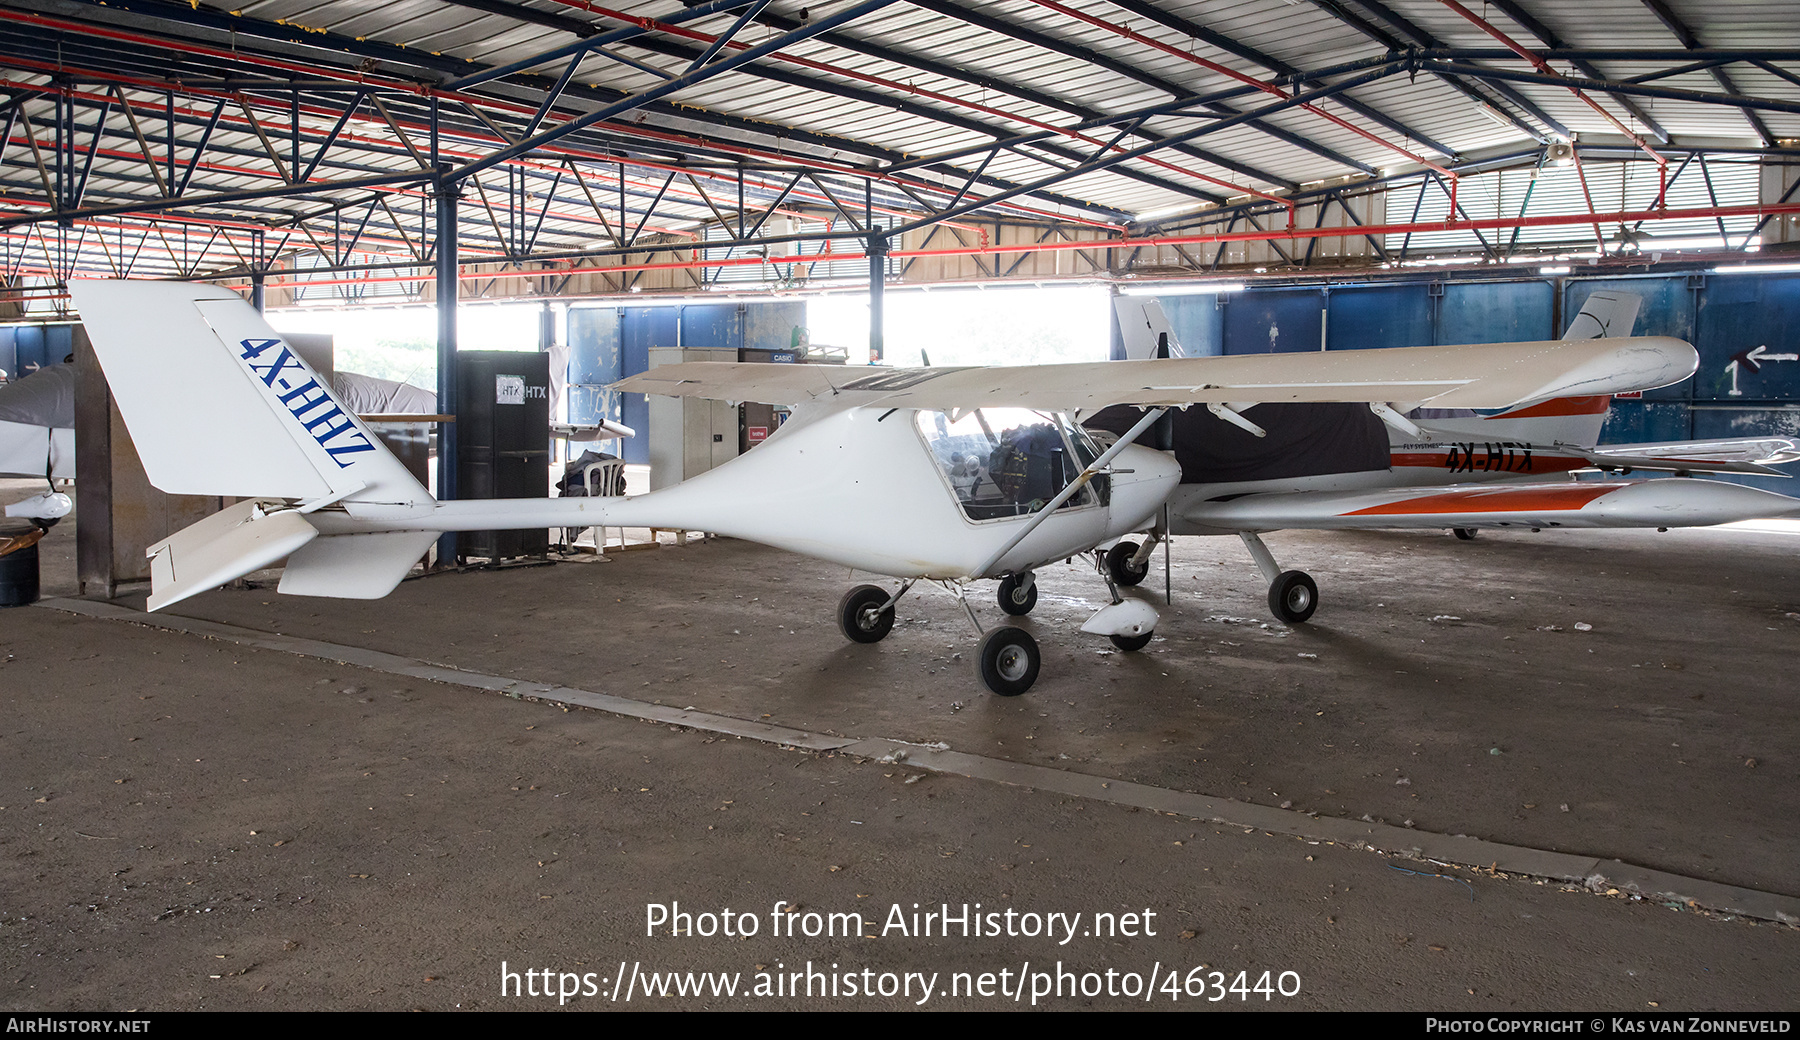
x=1303 y=440
x=368 y=395
x=44 y=398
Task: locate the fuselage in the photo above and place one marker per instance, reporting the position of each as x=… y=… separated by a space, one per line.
x=858 y=487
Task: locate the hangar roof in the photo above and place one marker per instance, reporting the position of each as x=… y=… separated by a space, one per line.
x=677 y=118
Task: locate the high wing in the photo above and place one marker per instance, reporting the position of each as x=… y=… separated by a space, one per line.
x=1488 y=375
x=1673 y=502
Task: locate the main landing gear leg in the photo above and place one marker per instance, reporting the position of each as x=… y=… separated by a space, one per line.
x=1292 y=594
x=1129 y=624
x=1008 y=658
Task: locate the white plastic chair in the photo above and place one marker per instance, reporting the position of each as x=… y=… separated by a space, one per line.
x=610 y=476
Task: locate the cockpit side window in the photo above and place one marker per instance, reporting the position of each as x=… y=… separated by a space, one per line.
x=1006 y=462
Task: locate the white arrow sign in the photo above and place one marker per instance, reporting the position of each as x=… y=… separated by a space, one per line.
x=1755 y=357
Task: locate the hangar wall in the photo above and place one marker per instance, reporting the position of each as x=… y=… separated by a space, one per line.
x=26 y=348
x=607 y=344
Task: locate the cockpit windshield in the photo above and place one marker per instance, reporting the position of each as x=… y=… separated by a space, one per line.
x=1004 y=462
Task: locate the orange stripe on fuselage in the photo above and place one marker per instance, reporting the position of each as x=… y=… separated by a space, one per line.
x=1560 y=406
x=1537 y=463
x=1495 y=500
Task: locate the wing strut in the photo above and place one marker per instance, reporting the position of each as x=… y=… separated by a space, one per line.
x=1094 y=468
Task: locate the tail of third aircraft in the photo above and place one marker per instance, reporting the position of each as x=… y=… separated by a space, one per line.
x=1564 y=420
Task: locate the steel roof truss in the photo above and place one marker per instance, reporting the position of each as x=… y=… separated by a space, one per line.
x=162 y=187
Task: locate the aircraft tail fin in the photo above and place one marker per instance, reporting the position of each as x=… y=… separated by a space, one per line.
x=1605 y=313
x=1145 y=328
x=218 y=404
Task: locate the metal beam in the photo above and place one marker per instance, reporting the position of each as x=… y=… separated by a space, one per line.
x=662 y=90
x=1691 y=42
x=448 y=289
x=1105 y=160
x=1548 y=37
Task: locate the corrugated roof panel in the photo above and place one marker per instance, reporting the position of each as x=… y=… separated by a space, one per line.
x=773 y=119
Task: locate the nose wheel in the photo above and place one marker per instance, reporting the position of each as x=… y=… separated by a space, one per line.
x=1131 y=643
x=1018 y=594
x=1119 y=564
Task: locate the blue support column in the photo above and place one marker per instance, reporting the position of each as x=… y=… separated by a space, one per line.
x=446 y=195
x=878 y=247
x=259 y=274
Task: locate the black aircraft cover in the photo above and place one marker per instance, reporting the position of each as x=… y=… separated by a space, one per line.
x=1304 y=440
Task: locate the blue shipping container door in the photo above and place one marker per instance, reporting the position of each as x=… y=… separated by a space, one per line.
x=770 y=326
x=1643 y=421
x=640 y=329
x=711 y=325
x=595 y=361
x=1274 y=321
x=1198 y=322
x=1497 y=312
x=1749 y=347
x=35 y=346
x=1375 y=316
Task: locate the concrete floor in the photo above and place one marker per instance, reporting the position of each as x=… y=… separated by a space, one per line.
x=192 y=822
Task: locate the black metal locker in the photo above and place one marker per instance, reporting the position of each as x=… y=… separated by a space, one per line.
x=503 y=442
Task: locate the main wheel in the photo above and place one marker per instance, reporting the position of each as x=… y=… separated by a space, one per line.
x=1466 y=534
x=1137 y=642
x=1293 y=596
x=1015 y=600
x=1009 y=661
x=861 y=617
x=1118 y=564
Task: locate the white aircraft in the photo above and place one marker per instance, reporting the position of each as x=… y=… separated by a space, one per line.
x=37 y=438
x=1328 y=467
x=37 y=424
x=948 y=475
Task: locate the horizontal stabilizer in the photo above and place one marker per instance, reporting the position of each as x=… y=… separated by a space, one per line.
x=223 y=547
x=354 y=566
x=1733 y=455
x=1674 y=502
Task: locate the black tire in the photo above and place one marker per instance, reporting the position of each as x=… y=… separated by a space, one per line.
x=861 y=617
x=1118 y=564
x=1014 y=600
x=1009 y=661
x=1466 y=534
x=1293 y=596
x=1129 y=643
